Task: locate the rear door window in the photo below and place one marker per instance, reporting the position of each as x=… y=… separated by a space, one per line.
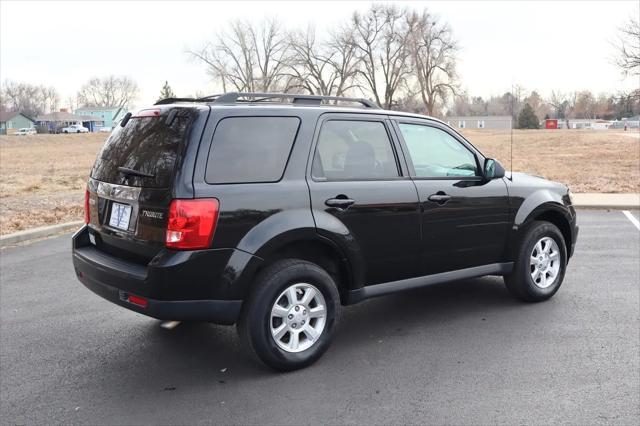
x=354 y=150
x=149 y=145
x=250 y=149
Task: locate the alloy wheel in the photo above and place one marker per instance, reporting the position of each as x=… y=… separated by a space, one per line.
x=298 y=317
x=545 y=262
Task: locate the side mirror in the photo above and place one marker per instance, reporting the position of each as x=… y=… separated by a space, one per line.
x=493 y=169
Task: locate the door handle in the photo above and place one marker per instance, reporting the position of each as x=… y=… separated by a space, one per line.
x=439 y=198
x=340 y=202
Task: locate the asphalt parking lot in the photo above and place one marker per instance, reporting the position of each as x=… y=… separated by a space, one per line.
x=461 y=353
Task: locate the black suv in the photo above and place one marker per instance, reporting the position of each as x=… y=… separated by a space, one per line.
x=273 y=210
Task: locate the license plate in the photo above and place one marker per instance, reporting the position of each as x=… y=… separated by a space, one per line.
x=120 y=216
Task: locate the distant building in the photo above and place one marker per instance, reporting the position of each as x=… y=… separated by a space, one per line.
x=576 y=124
x=10 y=122
x=54 y=121
x=629 y=123
x=601 y=124
x=109 y=116
x=480 y=122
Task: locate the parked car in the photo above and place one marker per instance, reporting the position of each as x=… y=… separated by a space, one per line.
x=26 y=131
x=74 y=128
x=275 y=211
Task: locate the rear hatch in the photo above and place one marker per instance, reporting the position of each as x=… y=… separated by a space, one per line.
x=133 y=180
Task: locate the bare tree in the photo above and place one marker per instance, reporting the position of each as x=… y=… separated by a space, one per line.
x=558 y=102
x=49 y=98
x=585 y=105
x=433 y=58
x=628 y=45
x=21 y=97
x=110 y=91
x=29 y=99
x=563 y=104
x=605 y=106
x=247 y=58
x=71 y=102
x=327 y=68
x=540 y=106
x=380 y=37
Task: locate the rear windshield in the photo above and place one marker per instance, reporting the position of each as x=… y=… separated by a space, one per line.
x=149 y=145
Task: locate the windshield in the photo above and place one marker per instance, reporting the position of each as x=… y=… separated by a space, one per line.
x=148 y=145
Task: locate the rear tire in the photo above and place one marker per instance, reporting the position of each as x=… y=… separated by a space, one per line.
x=541 y=263
x=289 y=319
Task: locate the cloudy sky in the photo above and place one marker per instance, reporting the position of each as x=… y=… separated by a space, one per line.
x=539 y=45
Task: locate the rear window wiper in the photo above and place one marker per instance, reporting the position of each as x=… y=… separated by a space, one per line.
x=131 y=172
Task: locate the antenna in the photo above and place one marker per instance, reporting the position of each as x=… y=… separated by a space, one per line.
x=511 y=142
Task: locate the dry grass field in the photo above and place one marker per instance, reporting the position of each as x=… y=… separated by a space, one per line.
x=42 y=177
x=586 y=160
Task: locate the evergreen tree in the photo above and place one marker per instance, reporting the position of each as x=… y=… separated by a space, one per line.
x=528 y=119
x=166 y=92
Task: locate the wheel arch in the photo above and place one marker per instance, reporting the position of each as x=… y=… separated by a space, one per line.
x=321 y=251
x=560 y=221
x=543 y=205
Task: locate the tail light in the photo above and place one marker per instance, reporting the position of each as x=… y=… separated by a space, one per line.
x=87 y=214
x=192 y=223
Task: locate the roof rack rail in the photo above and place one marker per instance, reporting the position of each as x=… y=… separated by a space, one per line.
x=233 y=98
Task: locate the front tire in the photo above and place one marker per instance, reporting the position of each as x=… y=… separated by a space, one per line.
x=541 y=263
x=289 y=319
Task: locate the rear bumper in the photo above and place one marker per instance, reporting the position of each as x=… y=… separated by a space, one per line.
x=217 y=311
x=116 y=280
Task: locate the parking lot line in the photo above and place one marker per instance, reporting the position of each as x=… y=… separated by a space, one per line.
x=632 y=218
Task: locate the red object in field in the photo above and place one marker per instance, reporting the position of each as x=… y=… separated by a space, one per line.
x=551 y=123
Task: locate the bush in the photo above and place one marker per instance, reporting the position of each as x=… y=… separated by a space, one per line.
x=528 y=119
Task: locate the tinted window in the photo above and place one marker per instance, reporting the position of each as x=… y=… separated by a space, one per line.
x=251 y=149
x=435 y=153
x=350 y=150
x=148 y=145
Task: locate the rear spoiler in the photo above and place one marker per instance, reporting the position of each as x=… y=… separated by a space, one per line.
x=174 y=100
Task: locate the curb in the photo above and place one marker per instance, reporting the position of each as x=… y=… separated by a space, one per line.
x=35 y=233
x=629 y=201
x=605 y=206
